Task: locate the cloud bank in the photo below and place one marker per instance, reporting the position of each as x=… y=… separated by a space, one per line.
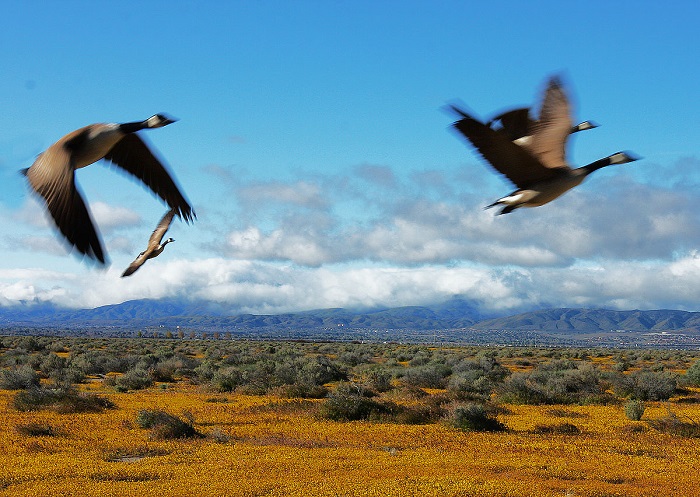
x=374 y=236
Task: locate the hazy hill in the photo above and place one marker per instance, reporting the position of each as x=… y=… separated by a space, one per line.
x=456 y=313
x=590 y=320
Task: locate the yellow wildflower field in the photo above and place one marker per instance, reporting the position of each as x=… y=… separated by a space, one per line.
x=263 y=445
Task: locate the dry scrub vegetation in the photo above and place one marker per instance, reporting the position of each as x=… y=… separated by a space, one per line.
x=178 y=417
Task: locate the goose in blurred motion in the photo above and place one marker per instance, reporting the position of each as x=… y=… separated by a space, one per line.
x=549 y=133
x=539 y=178
x=52 y=176
x=155 y=247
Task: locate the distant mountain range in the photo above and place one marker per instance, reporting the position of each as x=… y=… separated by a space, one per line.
x=457 y=320
x=454 y=313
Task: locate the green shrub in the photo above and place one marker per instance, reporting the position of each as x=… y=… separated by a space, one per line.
x=634 y=409
x=557 y=429
x=672 y=425
x=378 y=380
x=418 y=414
x=134 y=379
x=433 y=375
x=36 y=430
x=227 y=379
x=61 y=400
x=302 y=391
x=692 y=376
x=645 y=385
x=20 y=378
x=350 y=402
x=474 y=417
x=556 y=382
x=165 y=426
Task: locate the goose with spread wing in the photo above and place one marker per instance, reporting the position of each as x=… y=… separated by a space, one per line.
x=52 y=176
x=540 y=173
x=155 y=247
x=521 y=128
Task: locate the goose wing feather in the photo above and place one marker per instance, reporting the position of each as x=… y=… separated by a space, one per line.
x=153 y=243
x=133 y=156
x=161 y=229
x=515 y=123
x=134 y=266
x=52 y=177
x=552 y=129
x=511 y=160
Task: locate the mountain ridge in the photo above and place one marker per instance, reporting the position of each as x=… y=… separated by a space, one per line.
x=455 y=313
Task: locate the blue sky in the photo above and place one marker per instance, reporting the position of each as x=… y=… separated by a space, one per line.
x=313 y=144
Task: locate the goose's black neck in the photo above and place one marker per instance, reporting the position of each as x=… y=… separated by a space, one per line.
x=594 y=166
x=132 y=127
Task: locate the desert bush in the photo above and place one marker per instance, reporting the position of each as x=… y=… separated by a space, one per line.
x=14 y=358
x=472 y=379
x=226 y=379
x=351 y=402
x=672 y=425
x=430 y=410
x=259 y=378
x=556 y=382
x=302 y=391
x=473 y=417
x=692 y=376
x=52 y=363
x=164 y=370
x=204 y=372
x=166 y=426
x=421 y=358
x=378 y=380
x=432 y=375
x=134 y=379
x=634 y=409
x=31 y=344
x=354 y=357
x=645 y=385
x=19 y=378
x=318 y=370
x=556 y=429
x=61 y=371
x=61 y=400
x=36 y=430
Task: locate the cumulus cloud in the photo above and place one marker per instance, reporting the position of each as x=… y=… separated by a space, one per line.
x=110 y=217
x=33 y=213
x=300 y=194
x=262 y=288
x=372 y=237
x=380 y=175
x=427 y=219
x=52 y=245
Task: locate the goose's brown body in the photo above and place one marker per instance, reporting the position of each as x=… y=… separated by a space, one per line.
x=52 y=176
x=155 y=248
x=538 y=168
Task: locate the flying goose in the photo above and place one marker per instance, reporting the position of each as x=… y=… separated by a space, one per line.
x=52 y=175
x=518 y=126
x=155 y=248
x=539 y=179
x=543 y=135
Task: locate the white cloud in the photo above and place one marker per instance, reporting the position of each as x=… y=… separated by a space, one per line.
x=33 y=213
x=370 y=237
x=299 y=193
x=110 y=217
x=260 y=287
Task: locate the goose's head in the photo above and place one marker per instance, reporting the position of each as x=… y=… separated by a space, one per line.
x=584 y=126
x=158 y=121
x=168 y=241
x=622 y=158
